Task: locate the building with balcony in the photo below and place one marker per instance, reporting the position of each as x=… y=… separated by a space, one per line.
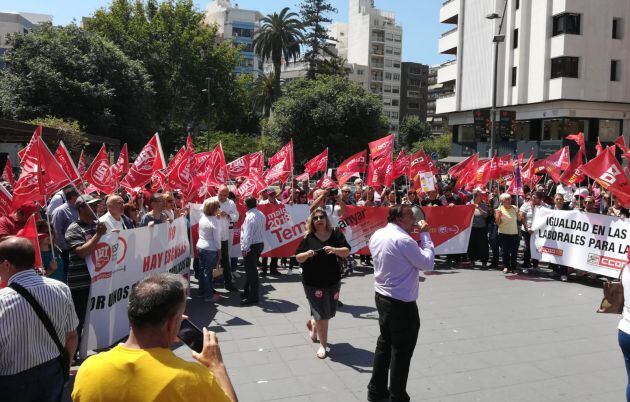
x=18 y=23
x=239 y=26
x=437 y=91
x=563 y=67
x=413 y=90
x=372 y=40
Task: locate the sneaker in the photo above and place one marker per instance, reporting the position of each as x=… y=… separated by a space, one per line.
x=564 y=278
x=525 y=271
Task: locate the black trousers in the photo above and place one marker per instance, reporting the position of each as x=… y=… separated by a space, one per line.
x=225 y=263
x=527 y=252
x=80 y=299
x=43 y=383
x=399 y=323
x=251 y=271
x=273 y=266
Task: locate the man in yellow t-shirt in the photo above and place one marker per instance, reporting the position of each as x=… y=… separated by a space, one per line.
x=144 y=368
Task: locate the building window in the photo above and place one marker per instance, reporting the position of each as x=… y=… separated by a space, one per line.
x=395 y=90
x=396 y=65
x=394 y=102
x=396 y=77
x=414 y=105
x=565 y=66
x=414 y=83
x=615 y=71
x=514 y=72
x=387 y=89
x=566 y=23
x=413 y=94
x=388 y=76
x=394 y=115
x=389 y=37
x=359 y=72
x=388 y=62
x=242 y=32
x=396 y=51
x=617 y=28
x=515 y=39
x=517 y=4
x=388 y=50
x=398 y=38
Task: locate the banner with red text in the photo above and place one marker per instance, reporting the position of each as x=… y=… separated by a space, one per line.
x=121 y=260
x=589 y=242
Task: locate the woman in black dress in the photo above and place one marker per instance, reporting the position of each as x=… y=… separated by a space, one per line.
x=319 y=254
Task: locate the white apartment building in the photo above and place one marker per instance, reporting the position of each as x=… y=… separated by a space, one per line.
x=240 y=26
x=372 y=39
x=563 y=67
x=18 y=23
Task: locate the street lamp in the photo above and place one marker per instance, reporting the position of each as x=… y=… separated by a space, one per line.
x=496 y=39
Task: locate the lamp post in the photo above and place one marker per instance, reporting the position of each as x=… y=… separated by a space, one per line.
x=207 y=91
x=496 y=39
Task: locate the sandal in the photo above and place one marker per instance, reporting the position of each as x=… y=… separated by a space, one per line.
x=322 y=353
x=309 y=326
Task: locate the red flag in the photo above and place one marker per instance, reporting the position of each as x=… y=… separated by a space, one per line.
x=607 y=171
x=621 y=143
x=573 y=174
x=7 y=173
x=256 y=163
x=484 y=171
x=579 y=139
x=6 y=201
x=36 y=134
x=179 y=171
x=325 y=182
x=98 y=174
x=284 y=154
x=401 y=166
x=150 y=159
x=353 y=166
x=65 y=161
x=381 y=147
x=238 y=167
x=418 y=163
x=389 y=174
x=277 y=172
x=158 y=181
x=317 y=164
x=528 y=170
x=252 y=185
x=302 y=177
x=504 y=167
x=556 y=163
x=599 y=147
x=377 y=170
x=463 y=165
x=216 y=173
x=29 y=231
x=82 y=165
x=122 y=164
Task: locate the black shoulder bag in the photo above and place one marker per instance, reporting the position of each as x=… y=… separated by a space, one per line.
x=64 y=358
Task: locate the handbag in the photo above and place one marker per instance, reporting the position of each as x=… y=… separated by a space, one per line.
x=64 y=358
x=613 y=300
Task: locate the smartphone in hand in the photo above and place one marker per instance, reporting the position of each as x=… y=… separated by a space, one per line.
x=191 y=335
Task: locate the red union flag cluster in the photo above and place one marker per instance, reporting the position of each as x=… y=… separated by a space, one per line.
x=150 y=159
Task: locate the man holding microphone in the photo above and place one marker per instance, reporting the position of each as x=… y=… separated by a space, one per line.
x=398 y=259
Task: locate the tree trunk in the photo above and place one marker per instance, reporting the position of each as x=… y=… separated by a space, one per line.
x=276 y=79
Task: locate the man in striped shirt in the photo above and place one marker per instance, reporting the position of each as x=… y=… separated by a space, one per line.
x=29 y=366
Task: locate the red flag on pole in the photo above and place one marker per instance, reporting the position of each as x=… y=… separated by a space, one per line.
x=381 y=147
x=6 y=201
x=606 y=170
x=150 y=159
x=256 y=163
x=238 y=167
x=82 y=165
x=279 y=171
x=463 y=165
x=284 y=154
x=621 y=143
x=376 y=171
x=36 y=134
x=317 y=164
x=325 y=182
x=418 y=163
x=353 y=166
x=98 y=174
x=401 y=166
x=556 y=163
x=599 y=147
x=573 y=174
x=216 y=173
x=252 y=185
x=7 y=173
x=579 y=139
x=65 y=161
x=29 y=231
x=122 y=164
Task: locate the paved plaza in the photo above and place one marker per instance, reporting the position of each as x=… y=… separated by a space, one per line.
x=484 y=336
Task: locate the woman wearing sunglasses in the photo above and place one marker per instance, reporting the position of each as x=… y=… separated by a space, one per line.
x=319 y=254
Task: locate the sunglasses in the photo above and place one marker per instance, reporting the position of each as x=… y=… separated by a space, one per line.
x=319 y=218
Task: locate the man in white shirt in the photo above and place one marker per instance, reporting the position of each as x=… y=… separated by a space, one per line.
x=526 y=216
x=113 y=218
x=252 y=244
x=229 y=215
x=397 y=263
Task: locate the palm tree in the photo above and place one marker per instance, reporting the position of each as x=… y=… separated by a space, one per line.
x=279 y=37
x=263 y=94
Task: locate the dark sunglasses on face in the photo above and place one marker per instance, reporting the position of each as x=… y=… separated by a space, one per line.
x=319 y=218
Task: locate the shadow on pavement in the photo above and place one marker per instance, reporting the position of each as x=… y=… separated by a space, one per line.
x=359 y=311
x=360 y=360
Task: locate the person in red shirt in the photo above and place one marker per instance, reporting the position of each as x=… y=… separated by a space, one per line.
x=11 y=224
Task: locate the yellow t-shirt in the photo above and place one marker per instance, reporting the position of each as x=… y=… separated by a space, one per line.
x=508 y=225
x=143 y=375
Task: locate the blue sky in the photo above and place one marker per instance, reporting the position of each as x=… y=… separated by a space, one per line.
x=419 y=18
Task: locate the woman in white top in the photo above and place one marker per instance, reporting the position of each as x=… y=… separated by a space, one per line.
x=624 y=325
x=208 y=248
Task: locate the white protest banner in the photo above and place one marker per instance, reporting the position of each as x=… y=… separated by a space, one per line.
x=119 y=261
x=427 y=181
x=585 y=241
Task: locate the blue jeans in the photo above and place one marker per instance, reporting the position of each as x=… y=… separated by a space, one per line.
x=207 y=262
x=43 y=383
x=624 y=343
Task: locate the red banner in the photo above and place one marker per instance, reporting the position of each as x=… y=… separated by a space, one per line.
x=353 y=166
x=381 y=147
x=317 y=164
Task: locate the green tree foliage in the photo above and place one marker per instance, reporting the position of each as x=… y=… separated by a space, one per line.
x=278 y=38
x=236 y=145
x=75 y=75
x=441 y=145
x=70 y=131
x=179 y=52
x=262 y=94
x=412 y=130
x=329 y=111
x=316 y=38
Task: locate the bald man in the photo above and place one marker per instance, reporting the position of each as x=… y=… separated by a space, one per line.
x=113 y=219
x=229 y=215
